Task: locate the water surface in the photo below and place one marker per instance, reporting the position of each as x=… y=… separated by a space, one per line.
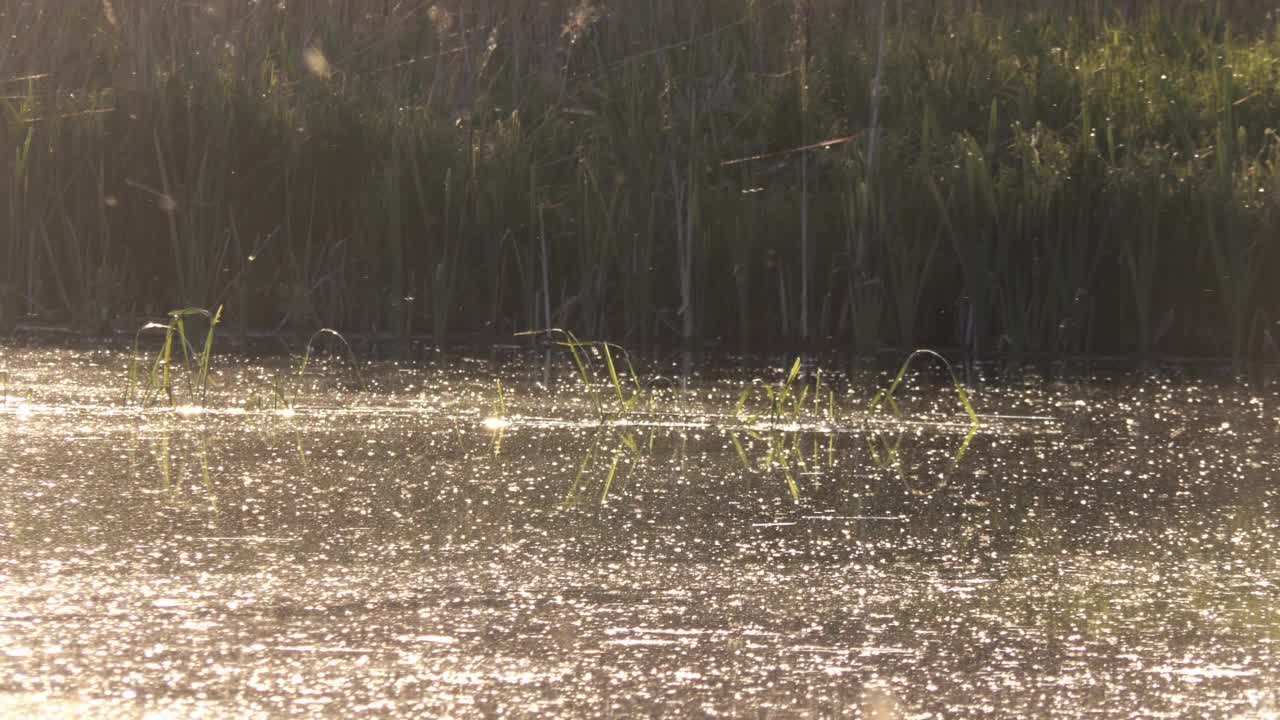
x=1099 y=549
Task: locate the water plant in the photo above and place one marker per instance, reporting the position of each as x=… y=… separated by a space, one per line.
x=885 y=397
x=581 y=353
x=796 y=175
x=784 y=402
x=887 y=454
x=160 y=377
x=625 y=442
x=288 y=390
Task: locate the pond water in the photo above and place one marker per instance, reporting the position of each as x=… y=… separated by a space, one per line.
x=1096 y=549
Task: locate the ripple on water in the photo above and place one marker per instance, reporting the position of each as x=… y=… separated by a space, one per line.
x=1095 y=549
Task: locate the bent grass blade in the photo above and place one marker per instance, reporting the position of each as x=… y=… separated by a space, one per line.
x=306 y=360
x=202 y=380
x=886 y=396
x=571 y=499
x=613 y=469
x=742 y=453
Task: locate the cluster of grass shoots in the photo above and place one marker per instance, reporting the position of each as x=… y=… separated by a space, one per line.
x=145 y=386
x=286 y=388
x=790 y=406
x=611 y=397
x=785 y=404
x=624 y=447
x=159 y=379
x=887 y=453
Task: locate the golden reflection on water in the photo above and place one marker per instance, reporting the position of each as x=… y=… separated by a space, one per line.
x=1092 y=549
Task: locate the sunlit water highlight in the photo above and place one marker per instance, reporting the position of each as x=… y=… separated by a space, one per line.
x=1098 y=549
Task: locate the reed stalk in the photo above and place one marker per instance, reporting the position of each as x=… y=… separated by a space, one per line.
x=769 y=174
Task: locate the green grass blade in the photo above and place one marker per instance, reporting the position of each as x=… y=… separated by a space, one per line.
x=203 y=377
x=635 y=379
x=886 y=396
x=792 y=487
x=133 y=389
x=791 y=378
x=742 y=453
x=804 y=395
x=613 y=373
x=160 y=368
x=306 y=359
x=630 y=442
x=964 y=446
x=571 y=498
x=613 y=469
x=186 y=356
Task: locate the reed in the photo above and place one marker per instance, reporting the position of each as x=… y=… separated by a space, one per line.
x=778 y=175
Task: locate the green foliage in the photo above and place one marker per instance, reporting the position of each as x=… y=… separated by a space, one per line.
x=160 y=378
x=653 y=172
x=582 y=354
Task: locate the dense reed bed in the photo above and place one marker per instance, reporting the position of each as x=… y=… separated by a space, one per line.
x=1015 y=178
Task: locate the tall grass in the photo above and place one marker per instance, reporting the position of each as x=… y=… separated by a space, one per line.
x=1027 y=177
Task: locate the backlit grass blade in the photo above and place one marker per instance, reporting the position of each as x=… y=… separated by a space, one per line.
x=202 y=380
x=613 y=470
x=886 y=396
x=792 y=487
x=571 y=342
x=180 y=324
x=635 y=382
x=573 y=346
x=177 y=325
x=502 y=401
x=132 y=389
x=964 y=446
x=742 y=453
x=791 y=378
x=571 y=498
x=306 y=359
x=160 y=368
x=613 y=373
